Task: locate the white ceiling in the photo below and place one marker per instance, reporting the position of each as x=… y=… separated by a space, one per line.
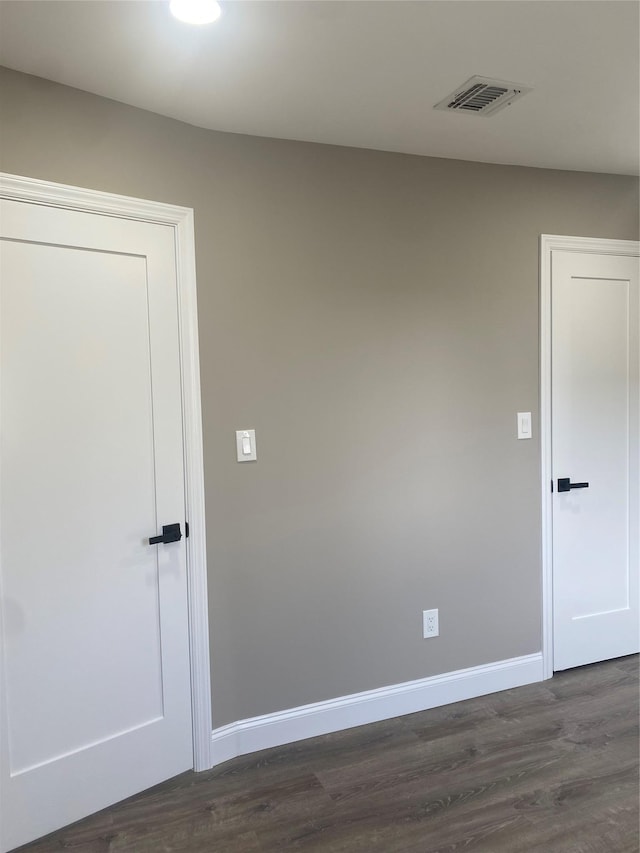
x=359 y=73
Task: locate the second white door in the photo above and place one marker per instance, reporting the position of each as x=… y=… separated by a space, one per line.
x=95 y=687
x=595 y=313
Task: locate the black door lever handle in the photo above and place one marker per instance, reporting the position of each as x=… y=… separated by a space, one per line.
x=565 y=484
x=170 y=533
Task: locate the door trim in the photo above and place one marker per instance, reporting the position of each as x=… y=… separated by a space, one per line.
x=181 y=220
x=548 y=244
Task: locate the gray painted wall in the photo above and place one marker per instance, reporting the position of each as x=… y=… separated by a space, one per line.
x=374 y=317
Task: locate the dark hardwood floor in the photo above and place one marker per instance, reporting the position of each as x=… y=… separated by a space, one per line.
x=545 y=768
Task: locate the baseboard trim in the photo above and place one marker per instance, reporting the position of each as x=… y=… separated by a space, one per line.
x=371 y=706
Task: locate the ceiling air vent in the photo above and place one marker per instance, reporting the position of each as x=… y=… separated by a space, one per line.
x=482 y=96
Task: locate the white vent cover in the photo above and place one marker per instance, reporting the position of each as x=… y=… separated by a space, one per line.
x=482 y=96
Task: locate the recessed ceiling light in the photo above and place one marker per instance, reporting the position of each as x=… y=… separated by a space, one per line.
x=195 y=11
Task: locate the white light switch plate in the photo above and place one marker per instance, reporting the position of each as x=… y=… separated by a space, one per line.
x=524 y=424
x=246 y=445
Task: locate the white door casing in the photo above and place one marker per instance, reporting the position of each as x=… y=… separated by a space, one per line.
x=91 y=564
x=589 y=411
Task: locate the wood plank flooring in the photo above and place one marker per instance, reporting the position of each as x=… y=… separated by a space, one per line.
x=547 y=768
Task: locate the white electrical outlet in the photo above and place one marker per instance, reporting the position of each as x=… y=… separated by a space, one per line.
x=430 y=624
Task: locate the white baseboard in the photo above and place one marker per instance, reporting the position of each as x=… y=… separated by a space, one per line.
x=345 y=712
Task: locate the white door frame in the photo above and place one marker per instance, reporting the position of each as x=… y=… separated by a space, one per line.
x=548 y=244
x=181 y=220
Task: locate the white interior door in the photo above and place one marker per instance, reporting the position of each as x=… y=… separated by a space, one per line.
x=95 y=686
x=595 y=456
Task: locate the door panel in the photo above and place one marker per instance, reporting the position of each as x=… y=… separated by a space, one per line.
x=86 y=585
x=595 y=360
x=95 y=636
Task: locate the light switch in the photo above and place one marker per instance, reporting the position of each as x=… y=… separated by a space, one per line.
x=246 y=445
x=524 y=424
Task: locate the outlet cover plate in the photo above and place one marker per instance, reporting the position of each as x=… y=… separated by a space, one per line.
x=430 y=626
